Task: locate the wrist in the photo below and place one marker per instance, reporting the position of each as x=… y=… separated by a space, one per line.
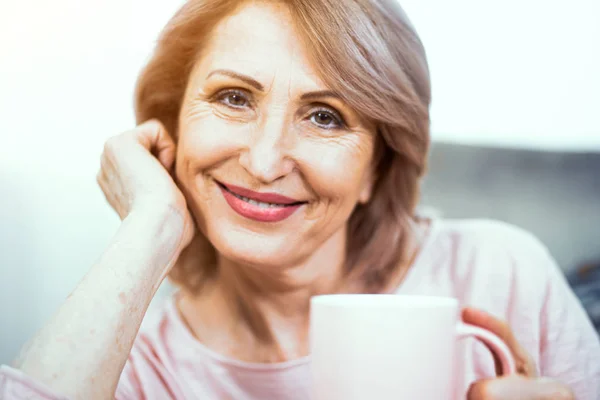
x=162 y=229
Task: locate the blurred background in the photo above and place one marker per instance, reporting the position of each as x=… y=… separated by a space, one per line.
x=515 y=124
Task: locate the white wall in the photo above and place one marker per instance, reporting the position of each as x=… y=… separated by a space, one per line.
x=522 y=73
x=67 y=71
x=519 y=73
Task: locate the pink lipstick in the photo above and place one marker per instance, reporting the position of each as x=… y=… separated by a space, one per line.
x=263 y=207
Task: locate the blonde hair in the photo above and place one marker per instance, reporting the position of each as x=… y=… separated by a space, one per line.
x=369 y=53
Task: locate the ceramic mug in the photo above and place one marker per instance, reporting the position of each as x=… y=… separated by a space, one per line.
x=390 y=347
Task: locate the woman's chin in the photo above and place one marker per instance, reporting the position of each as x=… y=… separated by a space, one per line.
x=242 y=247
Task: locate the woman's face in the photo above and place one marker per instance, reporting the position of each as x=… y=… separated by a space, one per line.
x=272 y=163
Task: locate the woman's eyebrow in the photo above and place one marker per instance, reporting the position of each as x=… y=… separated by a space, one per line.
x=227 y=72
x=320 y=94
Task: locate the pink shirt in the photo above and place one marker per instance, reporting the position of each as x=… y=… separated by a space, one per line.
x=489 y=265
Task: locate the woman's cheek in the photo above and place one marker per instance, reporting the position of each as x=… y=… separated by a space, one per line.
x=212 y=139
x=333 y=169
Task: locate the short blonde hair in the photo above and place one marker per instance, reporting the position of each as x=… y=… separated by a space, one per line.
x=369 y=53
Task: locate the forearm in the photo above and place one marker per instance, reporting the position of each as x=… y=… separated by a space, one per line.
x=80 y=353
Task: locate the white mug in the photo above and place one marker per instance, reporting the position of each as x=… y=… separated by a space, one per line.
x=396 y=347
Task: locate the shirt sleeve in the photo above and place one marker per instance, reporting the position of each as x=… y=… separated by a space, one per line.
x=15 y=385
x=569 y=345
x=511 y=274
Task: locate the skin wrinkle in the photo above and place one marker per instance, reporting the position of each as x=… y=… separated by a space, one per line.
x=333 y=139
x=351 y=119
x=270 y=144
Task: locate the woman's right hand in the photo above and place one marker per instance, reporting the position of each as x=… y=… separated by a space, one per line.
x=135 y=174
x=81 y=351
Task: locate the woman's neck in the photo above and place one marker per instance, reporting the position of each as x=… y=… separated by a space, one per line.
x=262 y=315
x=257 y=315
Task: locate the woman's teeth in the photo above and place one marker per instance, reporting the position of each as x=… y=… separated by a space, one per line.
x=258 y=203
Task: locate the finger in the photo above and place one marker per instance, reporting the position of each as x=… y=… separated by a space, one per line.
x=154 y=137
x=107 y=170
x=523 y=360
x=105 y=165
x=100 y=179
x=516 y=387
x=108 y=194
x=487 y=321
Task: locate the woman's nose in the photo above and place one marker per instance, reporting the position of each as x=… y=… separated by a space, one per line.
x=267 y=158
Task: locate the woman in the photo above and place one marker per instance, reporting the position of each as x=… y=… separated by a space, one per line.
x=280 y=158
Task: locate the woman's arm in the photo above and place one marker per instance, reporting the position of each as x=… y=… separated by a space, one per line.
x=81 y=352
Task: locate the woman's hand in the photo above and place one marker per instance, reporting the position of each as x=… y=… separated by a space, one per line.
x=525 y=385
x=135 y=174
x=81 y=351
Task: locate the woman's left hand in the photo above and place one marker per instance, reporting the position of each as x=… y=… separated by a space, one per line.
x=525 y=385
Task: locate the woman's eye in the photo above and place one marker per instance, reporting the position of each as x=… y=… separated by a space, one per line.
x=326 y=119
x=234 y=99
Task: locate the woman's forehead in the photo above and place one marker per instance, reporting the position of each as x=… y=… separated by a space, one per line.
x=260 y=40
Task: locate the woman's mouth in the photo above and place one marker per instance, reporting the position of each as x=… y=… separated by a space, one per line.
x=263 y=207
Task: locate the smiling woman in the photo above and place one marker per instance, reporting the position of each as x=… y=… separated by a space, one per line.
x=353 y=115
x=278 y=157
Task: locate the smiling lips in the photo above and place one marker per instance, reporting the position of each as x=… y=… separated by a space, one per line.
x=263 y=207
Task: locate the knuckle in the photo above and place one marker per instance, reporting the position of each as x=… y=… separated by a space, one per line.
x=479 y=391
x=155 y=129
x=154 y=123
x=111 y=145
x=553 y=390
x=531 y=366
x=562 y=393
x=523 y=364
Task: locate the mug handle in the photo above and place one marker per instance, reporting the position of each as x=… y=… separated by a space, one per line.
x=493 y=342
